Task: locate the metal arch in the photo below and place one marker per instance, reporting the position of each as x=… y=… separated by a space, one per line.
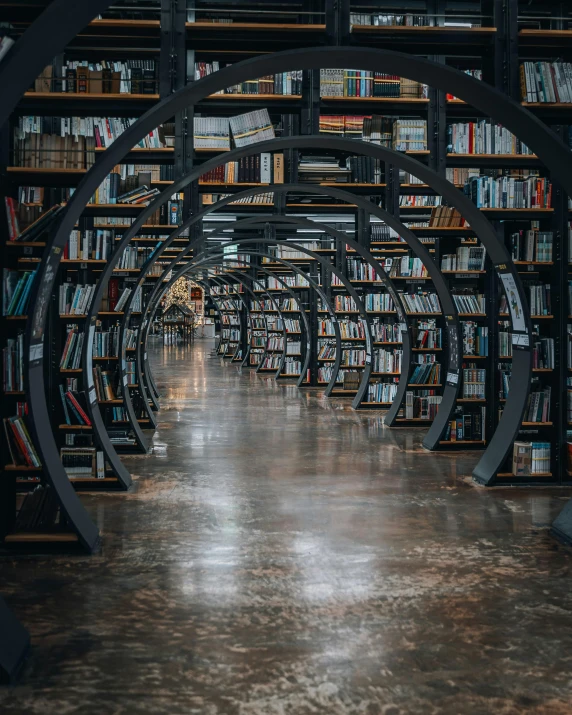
x=449 y=398
x=346 y=283
x=365 y=254
x=548 y=147
x=152 y=307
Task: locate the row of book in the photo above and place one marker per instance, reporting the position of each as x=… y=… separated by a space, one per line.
x=364 y=83
x=73 y=404
x=247 y=129
x=474 y=383
x=483 y=137
x=421 y=406
x=422 y=302
x=83 y=462
x=428 y=374
x=387 y=360
x=13 y=364
x=475 y=338
x=351 y=329
x=466 y=426
x=539 y=297
x=95 y=244
x=379 y=303
x=529 y=458
x=407 y=267
x=469 y=302
x=291 y=367
x=20 y=444
x=16 y=287
x=264 y=168
x=532 y=245
x=385 y=332
x=426 y=334
x=465 y=258
x=546 y=82
x=538 y=408
x=353 y=357
x=103 y=77
x=509 y=193
x=381 y=392
x=282 y=83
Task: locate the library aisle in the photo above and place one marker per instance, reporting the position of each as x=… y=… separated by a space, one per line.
x=282 y=553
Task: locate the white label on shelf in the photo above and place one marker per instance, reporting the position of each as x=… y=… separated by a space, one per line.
x=520 y=339
x=368 y=359
x=403 y=327
x=83 y=265
x=125 y=378
x=92 y=396
x=36 y=351
x=513 y=300
x=452 y=378
x=145 y=356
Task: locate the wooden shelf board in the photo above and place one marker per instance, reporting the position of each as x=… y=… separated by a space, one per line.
x=73 y=428
x=255 y=26
x=34 y=538
x=21 y=468
x=91 y=95
x=520 y=476
x=449 y=442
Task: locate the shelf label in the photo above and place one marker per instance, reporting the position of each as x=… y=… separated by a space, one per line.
x=125 y=378
x=28 y=250
x=36 y=352
x=513 y=299
x=520 y=340
x=368 y=359
x=403 y=327
x=92 y=396
x=83 y=265
x=145 y=356
x=452 y=378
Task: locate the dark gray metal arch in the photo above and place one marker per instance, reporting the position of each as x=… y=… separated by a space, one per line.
x=545 y=144
x=154 y=301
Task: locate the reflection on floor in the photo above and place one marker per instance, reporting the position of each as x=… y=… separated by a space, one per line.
x=281 y=554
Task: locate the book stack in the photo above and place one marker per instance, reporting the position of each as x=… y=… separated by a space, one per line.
x=16 y=287
x=251 y=127
x=475 y=338
x=385 y=332
x=538 y=409
x=91 y=244
x=446 y=216
x=468 y=302
x=39 y=511
x=262 y=168
x=318 y=169
x=429 y=374
x=351 y=329
x=379 y=303
x=345 y=303
x=474 y=384
x=13 y=364
x=264 y=199
x=426 y=334
x=538 y=294
x=211 y=133
x=381 y=392
x=358 y=270
x=483 y=137
x=353 y=358
x=408 y=267
x=532 y=245
x=459 y=176
x=103 y=77
x=543 y=354
x=71 y=354
x=410 y=135
x=326 y=328
x=382 y=233
x=546 y=82
x=283 y=83
x=74 y=299
x=465 y=258
x=292 y=367
x=20 y=445
x=83 y=462
x=387 y=360
x=422 y=406
x=292 y=326
x=509 y=193
x=73 y=404
x=104 y=381
x=419 y=200
x=530 y=458
x=466 y=427
x=421 y=302
x=390 y=19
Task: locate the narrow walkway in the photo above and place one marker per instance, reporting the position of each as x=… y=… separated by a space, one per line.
x=283 y=555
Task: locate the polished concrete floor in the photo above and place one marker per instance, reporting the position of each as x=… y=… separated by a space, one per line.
x=281 y=554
